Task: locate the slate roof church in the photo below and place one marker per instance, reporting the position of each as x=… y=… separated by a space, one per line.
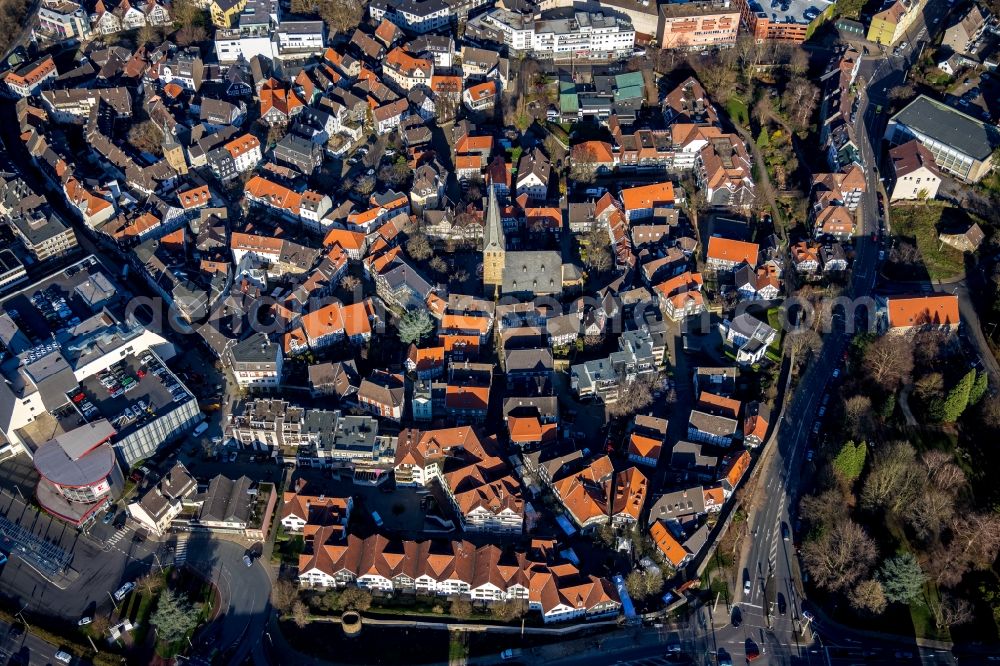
x=525 y=273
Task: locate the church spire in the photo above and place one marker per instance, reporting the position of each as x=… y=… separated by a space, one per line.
x=493 y=238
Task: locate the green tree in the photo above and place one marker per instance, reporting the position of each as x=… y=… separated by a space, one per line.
x=850 y=460
x=887 y=407
x=958 y=398
x=902 y=578
x=763 y=139
x=174 y=617
x=979 y=388
x=415 y=325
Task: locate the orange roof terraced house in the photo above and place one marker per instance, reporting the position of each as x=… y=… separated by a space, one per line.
x=726 y=253
x=675 y=553
x=640 y=202
x=530 y=430
x=935 y=311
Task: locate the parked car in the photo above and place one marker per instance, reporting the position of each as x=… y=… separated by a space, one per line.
x=124 y=590
x=84 y=621
x=64 y=657
x=202 y=427
x=108 y=517
x=247 y=561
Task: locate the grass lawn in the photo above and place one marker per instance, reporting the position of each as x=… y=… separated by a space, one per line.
x=923 y=618
x=774 y=320
x=737 y=110
x=457 y=649
x=921 y=223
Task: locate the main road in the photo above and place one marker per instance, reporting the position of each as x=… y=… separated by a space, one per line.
x=771 y=559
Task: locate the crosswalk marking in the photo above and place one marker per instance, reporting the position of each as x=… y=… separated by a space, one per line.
x=115 y=538
x=180 y=552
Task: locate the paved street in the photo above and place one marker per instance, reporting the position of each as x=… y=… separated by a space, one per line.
x=24 y=648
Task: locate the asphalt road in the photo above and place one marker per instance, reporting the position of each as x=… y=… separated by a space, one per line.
x=771 y=557
x=24 y=648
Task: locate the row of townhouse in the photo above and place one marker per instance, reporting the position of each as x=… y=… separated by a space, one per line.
x=485 y=574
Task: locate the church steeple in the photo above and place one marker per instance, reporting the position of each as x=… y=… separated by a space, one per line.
x=494 y=242
x=493 y=236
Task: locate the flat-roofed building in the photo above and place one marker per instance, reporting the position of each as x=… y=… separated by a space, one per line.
x=961 y=145
x=698 y=25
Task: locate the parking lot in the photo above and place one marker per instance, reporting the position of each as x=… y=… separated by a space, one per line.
x=405 y=510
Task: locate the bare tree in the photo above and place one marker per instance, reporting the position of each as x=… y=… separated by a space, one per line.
x=889 y=361
x=632 y=397
x=868 y=598
x=929 y=387
x=419 y=247
x=283 y=595
x=825 y=508
x=989 y=411
x=931 y=513
x=802 y=341
x=799 y=101
x=840 y=556
x=147 y=137
x=975 y=539
x=942 y=471
x=598 y=255
x=798 y=60
x=858 y=415
x=151 y=582
x=718 y=78
x=349 y=283
x=954 y=611
x=892 y=480
x=584 y=168
x=300 y=614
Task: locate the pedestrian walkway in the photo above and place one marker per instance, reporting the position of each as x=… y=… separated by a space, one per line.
x=180 y=550
x=115 y=538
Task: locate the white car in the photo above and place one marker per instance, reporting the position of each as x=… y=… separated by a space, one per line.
x=64 y=657
x=746 y=587
x=84 y=621
x=247 y=561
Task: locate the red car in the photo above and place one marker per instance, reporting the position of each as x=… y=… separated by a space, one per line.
x=141 y=373
x=79 y=397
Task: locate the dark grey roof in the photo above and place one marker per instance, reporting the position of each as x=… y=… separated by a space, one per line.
x=78 y=457
x=680 y=504
x=685 y=455
x=38 y=225
x=53 y=377
x=227 y=500
x=528 y=360
x=255 y=349
x=713 y=425
x=950 y=127
x=532 y=271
